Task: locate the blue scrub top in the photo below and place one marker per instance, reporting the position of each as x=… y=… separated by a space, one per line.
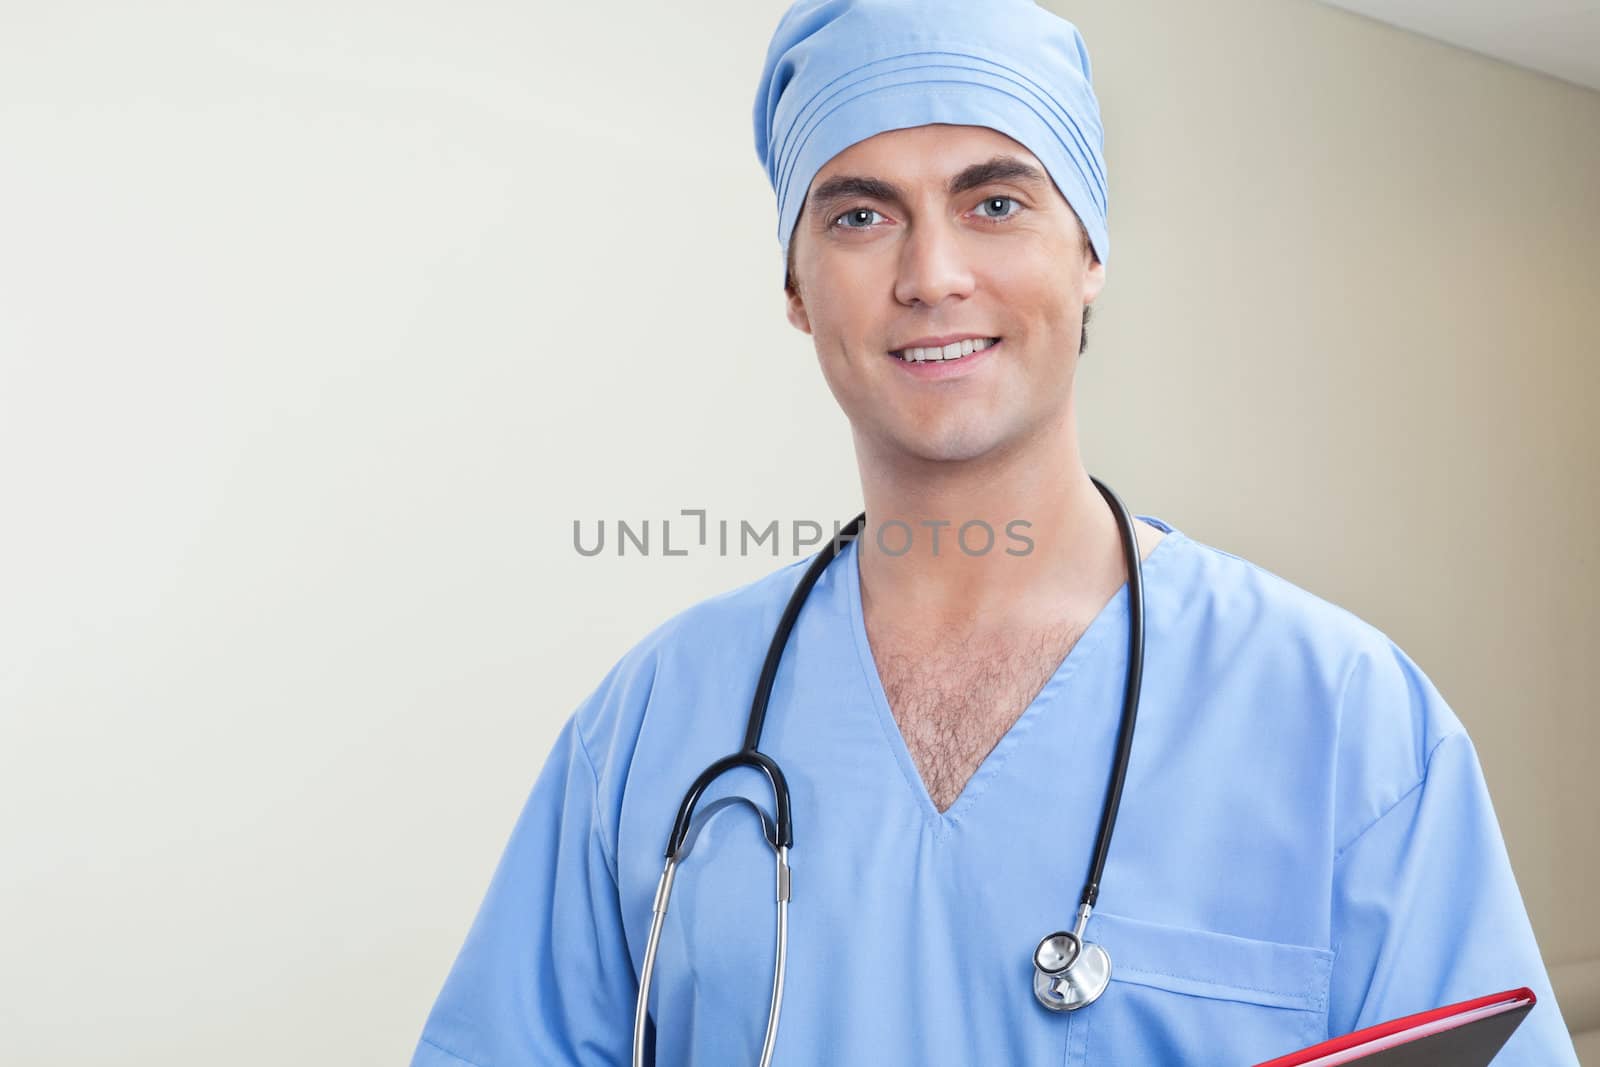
x=1305 y=846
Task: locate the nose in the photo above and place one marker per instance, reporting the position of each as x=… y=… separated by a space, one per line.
x=933 y=265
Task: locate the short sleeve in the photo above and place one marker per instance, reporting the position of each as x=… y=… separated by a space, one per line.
x=544 y=976
x=1426 y=912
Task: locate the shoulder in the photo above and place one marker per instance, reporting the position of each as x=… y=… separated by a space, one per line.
x=1347 y=698
x=1231 y=604
x=681 y=656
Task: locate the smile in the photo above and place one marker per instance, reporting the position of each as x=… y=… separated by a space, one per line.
x=949 y=353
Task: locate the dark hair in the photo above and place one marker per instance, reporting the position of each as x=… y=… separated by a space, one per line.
x=1083 y=335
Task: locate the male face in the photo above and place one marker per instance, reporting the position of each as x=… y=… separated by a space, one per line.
x=930 y=246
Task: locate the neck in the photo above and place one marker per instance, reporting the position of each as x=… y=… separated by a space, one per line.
x=1055 y=549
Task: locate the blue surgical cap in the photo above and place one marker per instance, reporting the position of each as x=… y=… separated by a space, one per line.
x=840 y=71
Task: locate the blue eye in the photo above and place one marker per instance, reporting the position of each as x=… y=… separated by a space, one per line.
x=855 y=211
x=1000 y=200
x=866 y=213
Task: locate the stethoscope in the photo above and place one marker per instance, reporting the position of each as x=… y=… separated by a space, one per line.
x=1068 y=972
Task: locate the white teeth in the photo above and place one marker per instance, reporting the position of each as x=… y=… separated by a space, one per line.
x=954 y=350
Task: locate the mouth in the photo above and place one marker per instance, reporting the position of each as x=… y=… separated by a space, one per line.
x=951 y=353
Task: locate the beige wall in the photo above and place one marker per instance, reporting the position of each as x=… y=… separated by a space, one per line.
x=319 y=325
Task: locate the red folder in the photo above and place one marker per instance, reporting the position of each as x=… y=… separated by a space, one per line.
x=1467 y=1034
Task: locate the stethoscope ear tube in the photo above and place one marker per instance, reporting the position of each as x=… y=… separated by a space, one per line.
x=782 y=832
x=658 y=916
x=780 y=637
x=749 y=756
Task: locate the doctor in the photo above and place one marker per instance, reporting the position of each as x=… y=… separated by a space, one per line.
x=1305 y=844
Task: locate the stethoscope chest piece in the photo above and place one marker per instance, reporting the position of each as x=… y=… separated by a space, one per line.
x=1068 y=972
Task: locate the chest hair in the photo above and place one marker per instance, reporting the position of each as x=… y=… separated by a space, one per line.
x=954 y=699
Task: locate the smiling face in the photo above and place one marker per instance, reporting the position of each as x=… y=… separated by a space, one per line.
x=942 y=232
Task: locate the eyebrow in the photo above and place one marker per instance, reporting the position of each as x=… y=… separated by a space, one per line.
x=843 y=187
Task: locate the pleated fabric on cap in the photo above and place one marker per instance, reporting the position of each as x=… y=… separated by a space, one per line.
x=840 y=71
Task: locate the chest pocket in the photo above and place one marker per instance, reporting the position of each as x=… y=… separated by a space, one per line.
x=1186 y=996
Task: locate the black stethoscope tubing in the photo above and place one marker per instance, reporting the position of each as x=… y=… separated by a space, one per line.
x=782 y=829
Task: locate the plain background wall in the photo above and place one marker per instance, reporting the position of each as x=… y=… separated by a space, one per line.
x=320 y=323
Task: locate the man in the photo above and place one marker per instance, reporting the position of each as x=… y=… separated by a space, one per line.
x=1305 y=844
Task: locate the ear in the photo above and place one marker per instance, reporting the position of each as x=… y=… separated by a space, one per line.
x=795 y=309
x=1094 y=280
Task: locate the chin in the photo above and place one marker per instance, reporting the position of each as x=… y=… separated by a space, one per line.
x=958 y=445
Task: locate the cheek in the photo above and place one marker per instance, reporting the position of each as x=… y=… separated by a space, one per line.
x=836 y=348
x=1037 y=290
x=849 y=387
x=844 y=323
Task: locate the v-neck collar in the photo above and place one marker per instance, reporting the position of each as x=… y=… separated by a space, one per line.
x=1111 y=620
